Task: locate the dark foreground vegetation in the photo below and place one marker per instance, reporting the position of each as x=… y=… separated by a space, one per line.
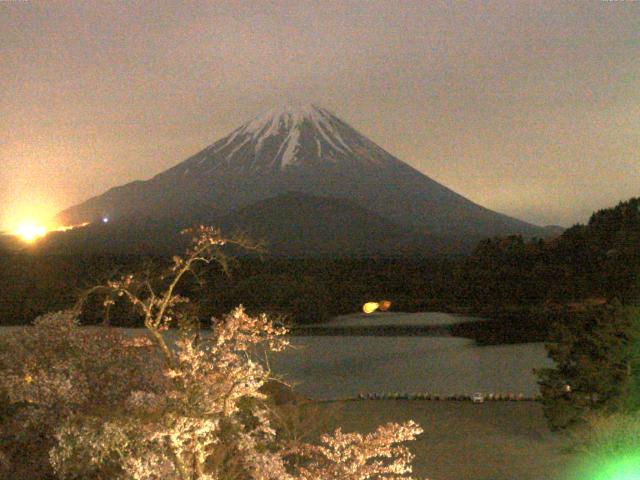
x=523 y=286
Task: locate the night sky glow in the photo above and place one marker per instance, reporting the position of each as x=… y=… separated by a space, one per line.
x=529 y=108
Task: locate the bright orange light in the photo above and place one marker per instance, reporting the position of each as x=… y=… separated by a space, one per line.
x=30 y=231
x=370 y=307
x=66 y=228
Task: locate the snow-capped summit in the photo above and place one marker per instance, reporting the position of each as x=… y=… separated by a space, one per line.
x=288 y=113
x=304 y=149
x=286 y=136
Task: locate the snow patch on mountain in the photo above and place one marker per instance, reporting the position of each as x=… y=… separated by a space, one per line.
x=290 y=118
x=289 y=155
x=288 y=115
x=285 y=137
x=321 y=125
x=239 y=146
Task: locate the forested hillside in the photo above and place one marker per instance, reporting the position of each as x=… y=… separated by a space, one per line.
x=503 y=278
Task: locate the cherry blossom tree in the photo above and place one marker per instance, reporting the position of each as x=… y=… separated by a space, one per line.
x=178 y=406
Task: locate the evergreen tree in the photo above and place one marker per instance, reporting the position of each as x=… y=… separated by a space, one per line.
x=592 y=351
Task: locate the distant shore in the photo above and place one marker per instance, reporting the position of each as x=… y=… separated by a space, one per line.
x=508 y=327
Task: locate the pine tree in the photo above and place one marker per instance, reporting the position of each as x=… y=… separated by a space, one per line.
x=592 y=351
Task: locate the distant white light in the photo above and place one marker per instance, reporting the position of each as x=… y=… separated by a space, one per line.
x=105 y=219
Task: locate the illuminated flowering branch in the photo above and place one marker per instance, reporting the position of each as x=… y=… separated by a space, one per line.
x=161 y=309
x=353 y=456
x=135 y=408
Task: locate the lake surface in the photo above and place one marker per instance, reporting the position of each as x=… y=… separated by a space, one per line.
x=327 y=367
x=341 y=366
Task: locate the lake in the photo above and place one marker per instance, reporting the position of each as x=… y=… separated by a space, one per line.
x=327 y=367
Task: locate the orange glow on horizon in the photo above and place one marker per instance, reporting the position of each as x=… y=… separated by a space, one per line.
x=31 y=222
x=30 y=231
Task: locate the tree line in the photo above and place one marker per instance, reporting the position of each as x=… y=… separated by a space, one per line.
x=512 y=278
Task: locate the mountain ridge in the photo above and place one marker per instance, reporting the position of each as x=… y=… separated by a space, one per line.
x=302 y=149
x=291 y=224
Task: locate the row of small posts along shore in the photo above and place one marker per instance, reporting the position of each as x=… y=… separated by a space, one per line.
x=488 y=397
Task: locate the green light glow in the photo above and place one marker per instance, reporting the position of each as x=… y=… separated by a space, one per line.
x=626 y=468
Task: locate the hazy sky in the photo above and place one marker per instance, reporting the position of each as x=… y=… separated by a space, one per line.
x=528 y=108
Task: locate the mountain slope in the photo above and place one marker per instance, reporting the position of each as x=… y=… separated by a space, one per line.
x=291 y=224
x=296 y=224
x=303 y=149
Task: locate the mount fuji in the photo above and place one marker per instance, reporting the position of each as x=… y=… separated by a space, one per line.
x=296 y=159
